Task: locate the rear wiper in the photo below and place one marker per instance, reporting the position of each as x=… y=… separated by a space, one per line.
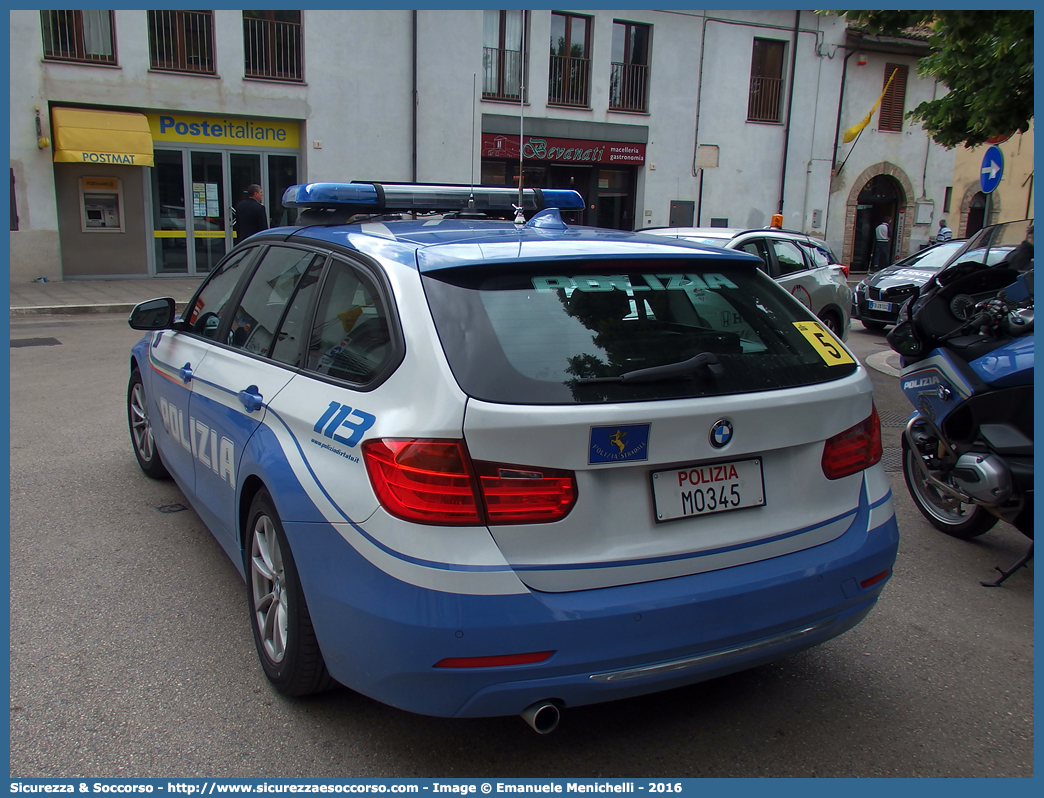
x=703 y=364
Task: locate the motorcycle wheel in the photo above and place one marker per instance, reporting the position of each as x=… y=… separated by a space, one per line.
x=955 y=518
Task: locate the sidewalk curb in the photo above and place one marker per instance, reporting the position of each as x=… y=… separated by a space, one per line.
x=61 y=310
x=879 y=362
x=70 y=310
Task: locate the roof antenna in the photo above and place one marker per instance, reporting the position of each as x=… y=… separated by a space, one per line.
x=471 y=196
x=520 y=217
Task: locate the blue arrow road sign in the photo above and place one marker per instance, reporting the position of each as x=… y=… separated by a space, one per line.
x=992 y=169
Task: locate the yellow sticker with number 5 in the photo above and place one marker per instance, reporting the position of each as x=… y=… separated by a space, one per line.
x=825 y=344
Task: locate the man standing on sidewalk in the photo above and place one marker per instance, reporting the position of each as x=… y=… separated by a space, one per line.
x=945 y=233
x=882 y=237
x=251 y=216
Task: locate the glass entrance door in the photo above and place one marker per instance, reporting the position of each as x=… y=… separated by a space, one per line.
x=208 y=210
x=244 y=170
x=169 y=223
x=282 y=173
x=194 y=194
x=615 y=201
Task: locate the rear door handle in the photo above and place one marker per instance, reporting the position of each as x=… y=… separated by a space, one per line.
x=185 y=372
x=251 y=398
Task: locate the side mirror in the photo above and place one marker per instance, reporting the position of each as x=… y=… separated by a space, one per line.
x=156 y=314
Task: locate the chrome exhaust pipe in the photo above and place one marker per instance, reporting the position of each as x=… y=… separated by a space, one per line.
x=543 y=716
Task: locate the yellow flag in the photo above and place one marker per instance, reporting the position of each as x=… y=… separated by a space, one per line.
x=854 y=131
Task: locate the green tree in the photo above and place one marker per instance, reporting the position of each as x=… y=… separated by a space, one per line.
x=984 y=58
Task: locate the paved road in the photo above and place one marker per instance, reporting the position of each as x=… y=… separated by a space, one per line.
x=131 y=654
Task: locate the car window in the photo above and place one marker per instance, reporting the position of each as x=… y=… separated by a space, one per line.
x=933 y=258
x=351 y=339
x=788 y=256
x=563 y=333
x=209 y=305
x=706 y=241
x=757 y=246
x=818 y=257
x=267 y=296
x=288 y=347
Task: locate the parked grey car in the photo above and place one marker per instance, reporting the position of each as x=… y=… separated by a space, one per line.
x=793 y=259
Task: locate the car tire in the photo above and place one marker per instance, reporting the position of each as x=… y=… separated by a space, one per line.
x=283 y=634
x=873 y=325
x=144 y=442
x=956 y=519
x=833 y=323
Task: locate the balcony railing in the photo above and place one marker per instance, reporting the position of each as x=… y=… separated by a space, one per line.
x=273 y=49
x=627 y=87
x=568 y=81
x=78 y=36
x=501 y=74
x=763 y=104
x=182 y=41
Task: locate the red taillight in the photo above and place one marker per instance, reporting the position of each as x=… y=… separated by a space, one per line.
x=425 y=481
x=494 y=662
x=854 y=449
x=435 y=482
x=844 y=269
x=521 y=495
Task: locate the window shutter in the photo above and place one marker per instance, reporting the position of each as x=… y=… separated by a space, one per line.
x=894 y=102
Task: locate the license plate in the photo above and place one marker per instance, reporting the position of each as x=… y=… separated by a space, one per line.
x=875 y=305
x=705 y=489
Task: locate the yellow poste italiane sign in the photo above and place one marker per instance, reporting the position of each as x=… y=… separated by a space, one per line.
x=214 y=129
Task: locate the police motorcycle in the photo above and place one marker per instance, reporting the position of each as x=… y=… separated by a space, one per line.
x=966 y=341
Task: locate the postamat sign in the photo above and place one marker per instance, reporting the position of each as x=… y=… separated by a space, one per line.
x=580 y=151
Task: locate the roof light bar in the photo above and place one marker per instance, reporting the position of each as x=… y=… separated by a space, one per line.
x=380 y=197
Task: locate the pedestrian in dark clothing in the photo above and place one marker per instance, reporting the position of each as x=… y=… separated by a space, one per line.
x=251 y=216
x=1021 y=258
x=882 y=240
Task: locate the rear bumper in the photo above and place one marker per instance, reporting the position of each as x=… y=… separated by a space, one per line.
x=382 y=637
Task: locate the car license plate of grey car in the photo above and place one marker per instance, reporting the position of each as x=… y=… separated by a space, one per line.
x=704 y=489
x=875 y=305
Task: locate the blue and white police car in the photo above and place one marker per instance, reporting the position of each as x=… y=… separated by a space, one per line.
x=474 y=467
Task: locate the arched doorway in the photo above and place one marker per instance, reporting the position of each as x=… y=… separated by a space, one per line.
x=976 y=214
x=880 y=200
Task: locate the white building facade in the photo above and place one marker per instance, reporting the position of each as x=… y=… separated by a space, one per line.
x=134 y=133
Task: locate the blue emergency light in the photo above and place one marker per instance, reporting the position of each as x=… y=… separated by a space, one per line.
x=362 y=197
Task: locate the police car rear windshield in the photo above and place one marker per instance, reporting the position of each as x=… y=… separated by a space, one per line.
x=625 y=331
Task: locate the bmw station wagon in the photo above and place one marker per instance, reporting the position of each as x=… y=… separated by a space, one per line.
x=475 y=467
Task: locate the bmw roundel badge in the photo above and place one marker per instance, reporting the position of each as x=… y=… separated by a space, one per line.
x=721 y=433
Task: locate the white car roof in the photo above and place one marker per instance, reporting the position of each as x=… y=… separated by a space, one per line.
x=726 y=233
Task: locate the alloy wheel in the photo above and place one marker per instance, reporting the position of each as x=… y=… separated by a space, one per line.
x=268 y=583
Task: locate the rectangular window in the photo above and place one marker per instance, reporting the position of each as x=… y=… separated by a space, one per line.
x=182 y=41
x=84 y=36
x=766 y=81
x=503 y=54
x=894 y=100
x=570 y=68
x=947 y=199
x=272 y=45
x=629 y=69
